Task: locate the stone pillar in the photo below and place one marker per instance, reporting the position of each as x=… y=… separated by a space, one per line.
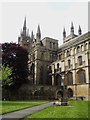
x=52 y=80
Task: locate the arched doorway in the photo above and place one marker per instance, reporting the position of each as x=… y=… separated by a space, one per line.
x=36 y=94
x=59 y=94
x=70 y=93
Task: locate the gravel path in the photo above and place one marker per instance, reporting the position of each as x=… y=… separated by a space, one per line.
x=17 y=115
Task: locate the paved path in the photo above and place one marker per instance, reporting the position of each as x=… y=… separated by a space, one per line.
x=17 y=115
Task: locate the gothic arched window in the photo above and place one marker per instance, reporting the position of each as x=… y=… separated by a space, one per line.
x=68 y=53
x=69 y=63
x=78 y=49
x=42 y=55
x=69 y=78
x=81 y=77
x=80 y=60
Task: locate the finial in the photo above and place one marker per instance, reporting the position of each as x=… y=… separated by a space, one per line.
x=25 y=22
x=38 y=32
x=79 y=30
x=32 y=36
x=72 y=28
x=64 y=33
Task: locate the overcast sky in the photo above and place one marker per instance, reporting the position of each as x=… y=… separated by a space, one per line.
x=51 y=16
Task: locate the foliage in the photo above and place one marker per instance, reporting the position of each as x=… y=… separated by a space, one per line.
x=5 y=75
x=9 y=106
x=17 y=58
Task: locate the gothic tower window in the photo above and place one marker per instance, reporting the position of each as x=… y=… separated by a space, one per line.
x=41 y=82
x=81 y=77
x=42 y=56
x=80 y=60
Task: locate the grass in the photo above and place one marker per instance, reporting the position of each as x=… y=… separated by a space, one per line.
x=77 y=109
x=10 y=106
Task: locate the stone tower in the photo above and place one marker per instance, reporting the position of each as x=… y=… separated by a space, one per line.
x=24 y=38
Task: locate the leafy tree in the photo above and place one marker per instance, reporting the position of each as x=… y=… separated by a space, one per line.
x=5 y=75
x=17 y=58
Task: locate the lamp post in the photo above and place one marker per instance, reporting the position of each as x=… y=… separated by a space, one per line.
x=64 y=98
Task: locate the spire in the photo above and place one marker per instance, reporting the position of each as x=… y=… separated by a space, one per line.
x=72 y=28
x=79 y=30
x=38 y=35
x=25 y=22
x=32 y=36
x=24 y=27
x=38 y=30
x=64 y=33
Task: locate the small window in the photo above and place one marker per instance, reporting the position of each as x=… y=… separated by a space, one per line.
x=59 y=57
x=58 y=66
x=53 y=45
x=86 y=45
x=68 y=53
x=50 y=45
x=42 y=55
x=69 y=63
x=80 y=60
x=78 y=49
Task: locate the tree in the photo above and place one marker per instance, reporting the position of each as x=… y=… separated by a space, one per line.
x=5 y=75
x=17 y=58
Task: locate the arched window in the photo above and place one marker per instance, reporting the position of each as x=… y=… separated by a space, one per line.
x=58 y=80
x=86 y=46
x=57 y=66
x=59 y=57
x=80 y=60
x=70 y=92
x=82 y=47
x=69 y=78
x=69 y=63
x=78 y=49
x=50 y=44
x=42 y=55
x=41 y=81
x=81 y=77
x=68 y=53
x=53 y=45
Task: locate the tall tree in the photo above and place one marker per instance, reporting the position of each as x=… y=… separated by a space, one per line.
x=17 y=58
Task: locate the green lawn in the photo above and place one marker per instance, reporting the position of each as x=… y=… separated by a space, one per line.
x=77 y=109
x=9 y=106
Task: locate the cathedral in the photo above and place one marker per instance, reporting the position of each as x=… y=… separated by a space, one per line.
x=51 y=67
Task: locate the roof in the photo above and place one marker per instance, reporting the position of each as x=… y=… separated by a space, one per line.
x=75 y=41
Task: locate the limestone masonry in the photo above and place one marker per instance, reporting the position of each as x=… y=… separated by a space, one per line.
x=51 y=66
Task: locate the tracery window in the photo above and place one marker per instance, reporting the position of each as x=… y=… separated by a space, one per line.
x=81 y=77
x=69 y=78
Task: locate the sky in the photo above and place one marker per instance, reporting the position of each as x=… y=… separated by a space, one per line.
x=51 y=16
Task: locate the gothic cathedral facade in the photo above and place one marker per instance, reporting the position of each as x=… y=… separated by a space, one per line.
x=51 y=66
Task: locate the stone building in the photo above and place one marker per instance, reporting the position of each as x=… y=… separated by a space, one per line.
x=51 y=66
